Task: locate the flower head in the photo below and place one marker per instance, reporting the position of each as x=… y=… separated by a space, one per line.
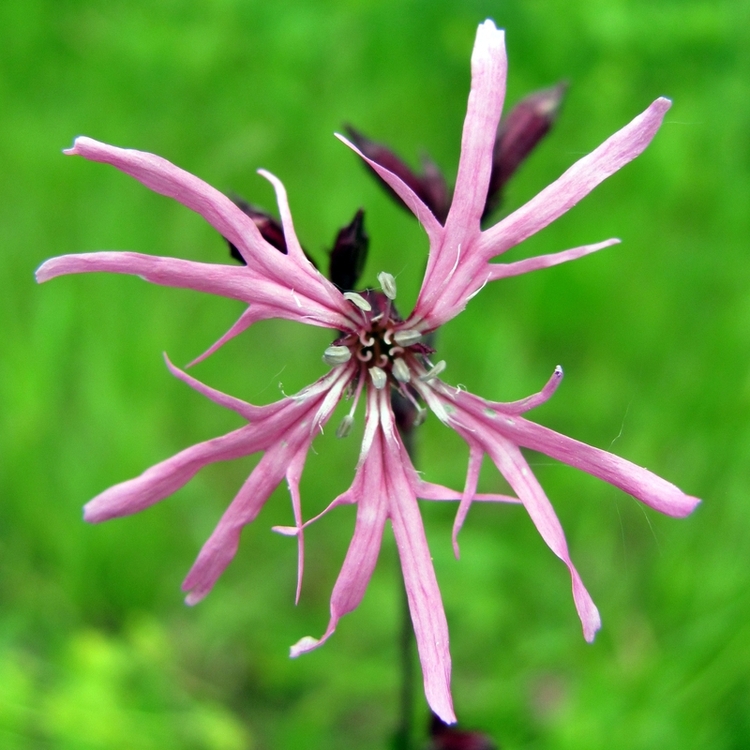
x=376 y=352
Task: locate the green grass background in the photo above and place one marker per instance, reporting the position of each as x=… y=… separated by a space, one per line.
x=97 y=649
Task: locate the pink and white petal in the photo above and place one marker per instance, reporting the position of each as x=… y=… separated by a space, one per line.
x=251 y=315
x=318 y=285
x=167 y=477
x=453 y=274
x=248 y=411
x=476 y=454
x=530 y=402
x=641 y=483
x=165 y=178
x=436 y=492
x=274 y=300
x=290 y=235
x=575 y=183
x=513 y=466
x=489 y=66
x=225 y=281
x=426 y=218
x=505 y=270
x=293 y=477
x=423 y=594
x=222 y=545
x=369 y=491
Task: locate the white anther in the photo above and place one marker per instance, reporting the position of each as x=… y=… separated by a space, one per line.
x=401 y=371
x=358 y=300
x=345 y=427
x=379 y=378
x=337 y=355
x=407 y=338
x=420 y=418
x=387 y=284
x=433 y=372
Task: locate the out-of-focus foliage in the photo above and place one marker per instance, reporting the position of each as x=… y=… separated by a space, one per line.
x=97 y=650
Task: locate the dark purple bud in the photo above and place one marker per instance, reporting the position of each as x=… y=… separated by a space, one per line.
x=445 y=737
x=518 y=134
x=430 y=187
x=269 y=228
x=349 y=254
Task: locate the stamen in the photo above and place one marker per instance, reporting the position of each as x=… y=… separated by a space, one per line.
x=401 y=370
x=358 y=300
x=387 y=284
x=420 y=418
x=345 y=428
x=337 y=355
x=433 y=372
x=407 y=338
x=379 y=378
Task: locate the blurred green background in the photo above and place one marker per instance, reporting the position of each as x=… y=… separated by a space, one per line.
x=97 y=649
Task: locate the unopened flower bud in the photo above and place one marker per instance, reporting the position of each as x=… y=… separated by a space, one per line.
x=431 y=186
x=269 y=228
x=349 y=254
x=517 y=136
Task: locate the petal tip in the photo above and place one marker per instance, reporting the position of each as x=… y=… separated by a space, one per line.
x=303 y=645
x=193 y=598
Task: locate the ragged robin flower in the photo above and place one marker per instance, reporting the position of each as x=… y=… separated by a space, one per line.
x=375 y=351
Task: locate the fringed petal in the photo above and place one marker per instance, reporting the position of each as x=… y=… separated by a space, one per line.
x=165 y=478
x=506 y=270
x=512 y=465
x=576 y=183
x=408 y=196
x=165 y=178
x=489 y=66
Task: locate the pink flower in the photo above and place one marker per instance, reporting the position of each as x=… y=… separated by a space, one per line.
x=376 y=351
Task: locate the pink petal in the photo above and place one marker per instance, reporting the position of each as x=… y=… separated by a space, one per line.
x=513 y=467
x=165 y=178
x=531 y=402
x=408 y=196
x=436 y=492
x=167 y=477
x=641 y=483
x=423 y=594
x=422 y=591
x=505 y=270
x=290 y=235
x=576 y=183
x=287 y=443
x=369 y=490
x=489 y=67
x=236 y=282
x=476 y=454
x=252 y=314
x=221 y=546
x=453 y=273
x=293 y=477
x=248 y=411
x=225 y=281
x=287 y=272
